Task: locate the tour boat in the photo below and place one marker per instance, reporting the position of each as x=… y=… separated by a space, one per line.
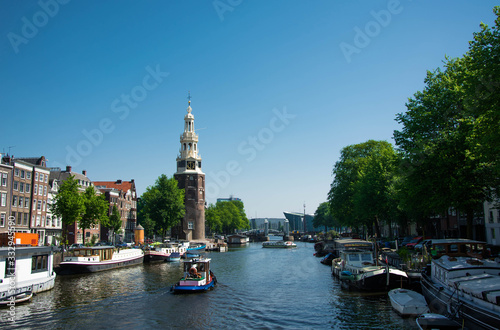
x=279 y=244
x=197 y=277
x=407 y=302
x=99 y=258
x=31 y=271
x=463 y=285
x=356 y=269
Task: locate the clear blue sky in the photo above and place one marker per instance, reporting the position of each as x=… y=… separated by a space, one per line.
x=278 y=87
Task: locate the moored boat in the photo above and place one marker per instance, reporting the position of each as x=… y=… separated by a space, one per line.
x=31 y=271
x=356 y=269
x=432 y=321
x=408 y=302
x=197 y=277
x=463 y=285
x=174 y=256
x=99 y=258
x=162 y=252
x=279 y=244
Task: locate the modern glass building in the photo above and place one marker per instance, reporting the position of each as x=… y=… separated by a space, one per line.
x=296 y=221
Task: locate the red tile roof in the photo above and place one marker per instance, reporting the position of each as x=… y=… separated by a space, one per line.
x=124 y=185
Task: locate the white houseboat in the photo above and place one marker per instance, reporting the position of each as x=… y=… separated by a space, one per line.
x=463 y=284
x=279 y=244
x=99 y=258
x=33 y=269
x=162 y=252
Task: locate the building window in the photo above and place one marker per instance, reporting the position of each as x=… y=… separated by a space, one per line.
x=16 y=172
x=14 y=201
x=45 y=190
x=4 y=179
x=36 y=176
x=21 y=200
x=190 y=225
x=37 y=220
x=19 y=218
x=36 y=190
x=4 y=199
x=44 y=205
x=25 y=220
x=43 y=221
x=2 y=220
x=22 y=174
x=28 y=175
x=15 y=186
x=34 y=204
x=46 y=178
x=21 y=187
x=28 y=187
x=39 y=206
x=492 y=233
x=26 y=202
x=41 y=177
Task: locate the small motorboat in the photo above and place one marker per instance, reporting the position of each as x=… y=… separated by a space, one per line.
x=197 y=277
x=434 y=321
x=327 y=260
x=174 y=256
x=408 y=302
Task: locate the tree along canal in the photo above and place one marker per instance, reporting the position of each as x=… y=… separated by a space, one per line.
x=257 y=288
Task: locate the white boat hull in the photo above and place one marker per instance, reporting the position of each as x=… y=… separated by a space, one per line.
x=407 y=302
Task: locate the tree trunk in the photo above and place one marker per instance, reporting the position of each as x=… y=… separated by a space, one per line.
x=470 y=218
x=377 y=227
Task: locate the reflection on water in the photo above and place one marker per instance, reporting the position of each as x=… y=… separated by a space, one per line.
x=257 y=288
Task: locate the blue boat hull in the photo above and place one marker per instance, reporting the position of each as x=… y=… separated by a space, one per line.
x=191 y=289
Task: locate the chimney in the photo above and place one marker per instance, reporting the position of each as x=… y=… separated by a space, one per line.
x=84 y=172
x=132 y=180
x=68 y=168
x=118 y=181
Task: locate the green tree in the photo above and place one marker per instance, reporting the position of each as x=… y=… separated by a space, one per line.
x=115 y=222
x=227 y=216
x=323 y=217
x=163 y=204
x=96 y=209
x=212 y=219
x=360 y=194
x=68 y=204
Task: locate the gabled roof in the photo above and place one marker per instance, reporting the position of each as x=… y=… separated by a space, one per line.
x=118 y=185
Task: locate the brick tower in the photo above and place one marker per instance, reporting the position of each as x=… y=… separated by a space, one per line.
x=190 y=178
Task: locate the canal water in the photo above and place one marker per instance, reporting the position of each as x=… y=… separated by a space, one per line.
x=257 y=289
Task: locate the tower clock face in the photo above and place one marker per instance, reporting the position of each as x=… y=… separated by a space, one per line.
x=190 y=165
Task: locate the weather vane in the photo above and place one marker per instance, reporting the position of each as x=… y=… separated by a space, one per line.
x=189 y=97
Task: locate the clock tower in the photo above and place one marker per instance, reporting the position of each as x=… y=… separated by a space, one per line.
x=190 y=178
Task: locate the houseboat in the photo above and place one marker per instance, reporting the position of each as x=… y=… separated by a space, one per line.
x=238 y=239
x=463 y=284
x=356 y=269
x=99 y=258
x=343 y=244
x=279 y=244
x=197 y=277
x=33 y=269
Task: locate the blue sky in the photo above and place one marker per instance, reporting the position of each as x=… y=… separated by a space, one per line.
x=278 y=87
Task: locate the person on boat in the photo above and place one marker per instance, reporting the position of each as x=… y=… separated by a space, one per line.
x=194 y=272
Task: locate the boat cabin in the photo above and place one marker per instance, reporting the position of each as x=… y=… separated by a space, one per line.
x=96 y=254
x=344 y=244
x=196 y=272
x=458 y=248
x=357 y=258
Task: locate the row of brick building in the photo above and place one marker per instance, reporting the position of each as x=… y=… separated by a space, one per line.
x=28 y=188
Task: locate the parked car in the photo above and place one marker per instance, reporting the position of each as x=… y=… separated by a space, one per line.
x=427 y=243
x=414 y=242
x=407 y=240
x=75 y=246
x=102 y=243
